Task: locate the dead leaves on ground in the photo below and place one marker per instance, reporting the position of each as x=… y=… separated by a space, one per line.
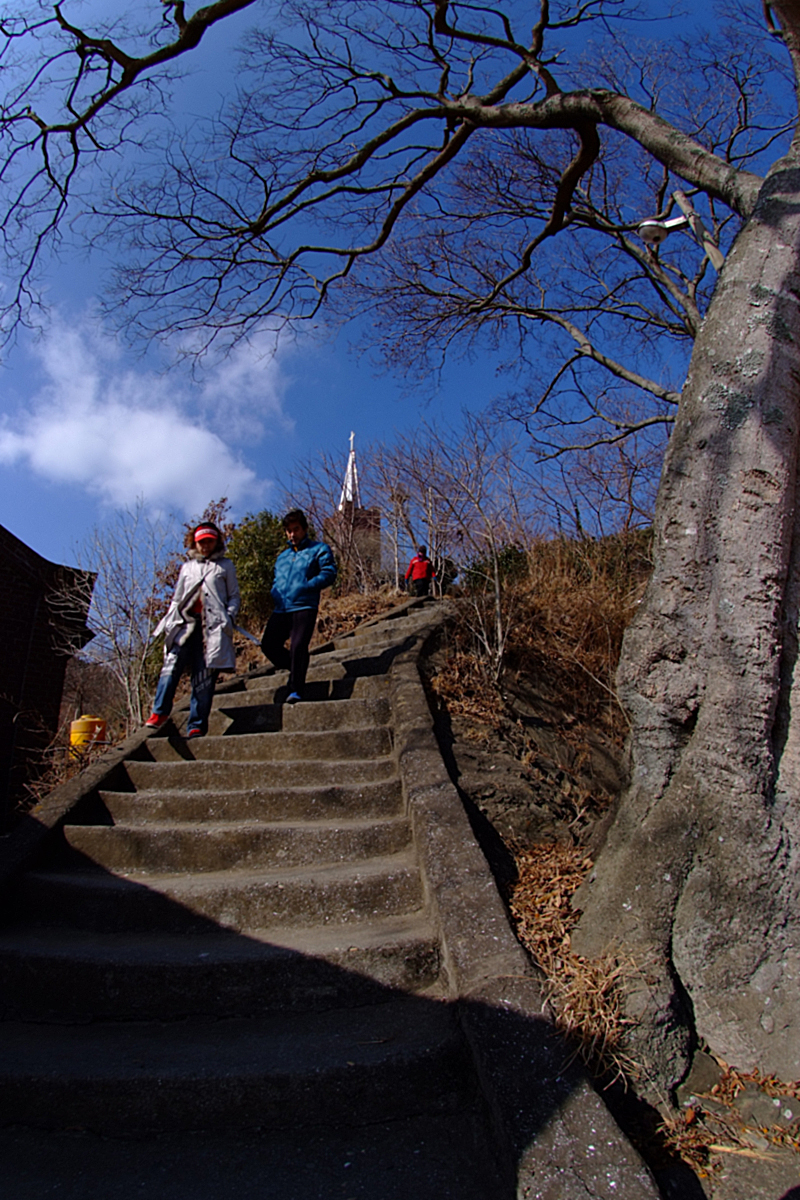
x=464 y=687
x=715 y=1126
x=584 y=994
x=586 y=997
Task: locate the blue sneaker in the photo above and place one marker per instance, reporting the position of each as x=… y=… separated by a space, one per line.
x=293 y=698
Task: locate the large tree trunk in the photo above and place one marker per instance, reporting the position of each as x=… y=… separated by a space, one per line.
x=698 y=878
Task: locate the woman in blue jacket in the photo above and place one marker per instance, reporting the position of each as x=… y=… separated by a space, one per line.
x=301 y=572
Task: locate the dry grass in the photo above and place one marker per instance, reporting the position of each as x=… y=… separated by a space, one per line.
x=566 y=617
x=342 y=614
x=569 y=615
x=465 y=688
x=57 y=764
x=572 y=611
x=585 y=994
x=694 y=1143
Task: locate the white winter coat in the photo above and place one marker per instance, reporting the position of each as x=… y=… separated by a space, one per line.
x=213 y=581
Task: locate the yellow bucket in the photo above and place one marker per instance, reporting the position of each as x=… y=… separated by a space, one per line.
x=86 y=732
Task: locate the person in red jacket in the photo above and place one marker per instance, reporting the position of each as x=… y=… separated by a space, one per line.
x=420 y=572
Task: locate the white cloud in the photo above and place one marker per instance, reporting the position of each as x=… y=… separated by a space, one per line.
x=123 y=434
x=242 y=393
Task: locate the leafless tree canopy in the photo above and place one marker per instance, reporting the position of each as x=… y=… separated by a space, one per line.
x=340 y=119
x=129 y=555
x=427 y=153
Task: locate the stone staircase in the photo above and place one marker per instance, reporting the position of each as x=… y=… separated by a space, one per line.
x=233 y=965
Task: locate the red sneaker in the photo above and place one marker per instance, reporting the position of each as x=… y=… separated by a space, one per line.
x=156 y=720
x=194 y=733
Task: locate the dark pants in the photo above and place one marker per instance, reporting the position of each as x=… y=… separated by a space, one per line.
x=188 y=657
x=297 y=627
x=422 y=587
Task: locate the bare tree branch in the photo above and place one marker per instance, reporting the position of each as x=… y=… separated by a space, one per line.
x=373 y=114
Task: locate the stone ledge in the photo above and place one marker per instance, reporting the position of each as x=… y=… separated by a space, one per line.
x=559 y=1139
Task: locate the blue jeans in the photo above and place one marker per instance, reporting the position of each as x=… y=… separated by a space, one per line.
x=188 y=657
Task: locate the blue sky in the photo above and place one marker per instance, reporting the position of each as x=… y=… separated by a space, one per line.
x=87 y=425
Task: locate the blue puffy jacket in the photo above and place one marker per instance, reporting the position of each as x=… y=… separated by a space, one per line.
x=301 y=574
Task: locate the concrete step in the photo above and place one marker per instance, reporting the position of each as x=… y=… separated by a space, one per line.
x=323 y=668
x=360 y=1066
x=240 y=714
x=381 y=799
x=94 y=899
x=246 y=845
x=378 y=639
x=70 y=975
x=205 y=775
x=436 y=1156
x=371 y=645
x=242 y=941
x=338 y=744
x=324 y=683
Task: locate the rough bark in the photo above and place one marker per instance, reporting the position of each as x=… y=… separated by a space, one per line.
x=698 y=878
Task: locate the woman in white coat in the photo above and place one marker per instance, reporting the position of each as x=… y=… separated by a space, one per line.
x=198 y=628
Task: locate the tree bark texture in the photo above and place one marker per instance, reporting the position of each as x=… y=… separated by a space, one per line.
x=698 y=878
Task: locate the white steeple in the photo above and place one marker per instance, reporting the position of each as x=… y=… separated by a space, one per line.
x=350 y=493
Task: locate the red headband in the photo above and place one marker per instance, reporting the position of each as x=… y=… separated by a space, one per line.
x=205 y=531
